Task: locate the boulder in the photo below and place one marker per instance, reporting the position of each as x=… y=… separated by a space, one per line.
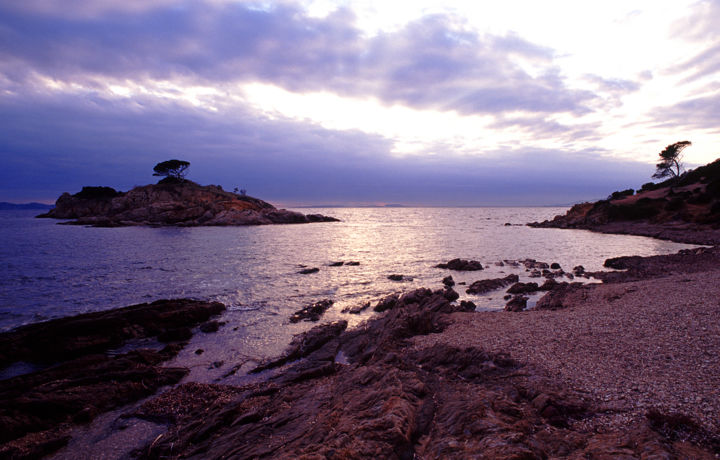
x=448 y=281
x=522 y=288
x=483 y=286
x=461 y=265
x=517 y=303
x=312 y=312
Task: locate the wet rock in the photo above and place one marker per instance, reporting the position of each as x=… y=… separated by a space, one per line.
x=549 y=285
x=578 y=270
x=467 y=305
x=312 y=312
x=554 y=299
x=356 y=310
x=535 y=274
x=534 y=264
x=391 y=400
x=448 y=281
x=517 y=303
x=37 y=410
x=66 y=338
x=396 y=277
x=352 y=263
x=210 y=326
x=178 y=334
x=555 y=266
x=387 y=303
x=522 y=288
x=336 y=264
x=483 y=286
x=461 y=265
x=308 y=271
x=303 y=345
x=450 y=294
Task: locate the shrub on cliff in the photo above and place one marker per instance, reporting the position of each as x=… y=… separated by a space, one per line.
x=622 y=194
x=97 y=193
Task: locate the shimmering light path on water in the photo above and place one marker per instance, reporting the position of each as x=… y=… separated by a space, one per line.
x=54 y=270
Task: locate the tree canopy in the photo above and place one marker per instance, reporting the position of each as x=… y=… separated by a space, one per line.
x=176 y=169
x=670 y=162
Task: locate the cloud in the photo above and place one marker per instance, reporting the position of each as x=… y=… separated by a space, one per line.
x=701 y=113
x=62 y=143
x=433 y=63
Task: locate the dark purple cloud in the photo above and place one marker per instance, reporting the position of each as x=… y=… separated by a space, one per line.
x=62 y=143
x=696 y=113
x=427 y=64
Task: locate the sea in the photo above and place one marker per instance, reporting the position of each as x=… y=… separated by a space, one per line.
x=51 y=270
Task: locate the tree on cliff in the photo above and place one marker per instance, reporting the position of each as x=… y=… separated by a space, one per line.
x=671 y=160
x=176 y=169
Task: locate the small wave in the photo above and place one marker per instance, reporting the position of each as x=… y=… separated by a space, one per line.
x=244 y=308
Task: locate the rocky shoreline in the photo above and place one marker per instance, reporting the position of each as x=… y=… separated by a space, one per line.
x=622 y=369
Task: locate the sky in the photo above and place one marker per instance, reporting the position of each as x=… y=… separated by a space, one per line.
x=318 y=102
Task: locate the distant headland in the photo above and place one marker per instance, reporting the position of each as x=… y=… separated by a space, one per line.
x=685 y=208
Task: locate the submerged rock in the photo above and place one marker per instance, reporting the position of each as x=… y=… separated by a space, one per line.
x=312 y=312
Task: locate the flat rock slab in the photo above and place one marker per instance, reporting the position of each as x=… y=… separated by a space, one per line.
x=78 y=379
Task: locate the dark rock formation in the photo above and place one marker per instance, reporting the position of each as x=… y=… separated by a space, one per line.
x=554 y=299
x=517 y=303
x=396 y=277
x=461 y=265
x=522 y=288
x=178 y=204
x=312 y=312
x=352 y=263
x=303 y=345
x=387 y=303
x=67 y=338
x=356 y=310
x=448 y=281
x=483 y=286
x=38 y=410
x=308 y=271
x=387 y=400
x=336 y=264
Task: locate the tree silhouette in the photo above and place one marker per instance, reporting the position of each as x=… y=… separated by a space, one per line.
x=671 y=160
x=177 y=169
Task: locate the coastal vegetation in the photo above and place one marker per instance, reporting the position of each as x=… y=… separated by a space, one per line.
x=671 y=160
x=683 y=204
x=172 y=169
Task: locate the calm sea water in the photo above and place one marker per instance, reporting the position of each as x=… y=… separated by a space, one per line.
x=51 y=270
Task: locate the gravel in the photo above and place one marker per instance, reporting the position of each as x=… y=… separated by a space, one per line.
x=629 y=347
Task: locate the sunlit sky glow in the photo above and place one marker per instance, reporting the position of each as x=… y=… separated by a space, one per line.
x=339 y=102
